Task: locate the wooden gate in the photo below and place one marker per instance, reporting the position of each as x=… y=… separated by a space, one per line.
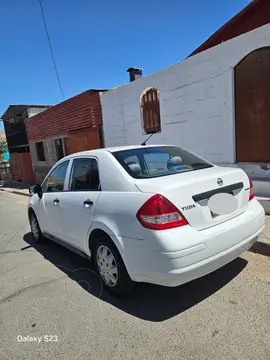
x=82 y=140
x=252 y=107
x=21 y=167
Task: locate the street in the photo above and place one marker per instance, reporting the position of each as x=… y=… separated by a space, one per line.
x=52 y=306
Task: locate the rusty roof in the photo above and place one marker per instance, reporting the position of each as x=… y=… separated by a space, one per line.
x=246 y=12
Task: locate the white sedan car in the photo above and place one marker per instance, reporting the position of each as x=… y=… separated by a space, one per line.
x=155 y=214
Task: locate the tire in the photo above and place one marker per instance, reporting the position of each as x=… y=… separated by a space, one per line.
x=102 y=249
x=35 y=229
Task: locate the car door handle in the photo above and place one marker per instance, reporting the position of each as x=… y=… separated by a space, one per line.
x=56 y=201
x=87 y=203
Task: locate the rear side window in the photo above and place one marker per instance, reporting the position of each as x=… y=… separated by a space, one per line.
x=84 y=175
x=150 y=162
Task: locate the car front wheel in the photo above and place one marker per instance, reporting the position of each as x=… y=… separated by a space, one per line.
x=35 y=229
x=111 y=268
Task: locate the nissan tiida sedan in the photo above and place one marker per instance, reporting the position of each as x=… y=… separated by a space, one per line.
x=154 y=214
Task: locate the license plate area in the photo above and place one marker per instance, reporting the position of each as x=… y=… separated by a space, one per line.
x=216 y=215
x=204 y=203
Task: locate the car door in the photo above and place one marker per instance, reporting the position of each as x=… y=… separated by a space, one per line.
x=53 y=190
x=78 y=207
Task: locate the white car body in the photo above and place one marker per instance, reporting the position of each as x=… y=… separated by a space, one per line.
x=169 y=257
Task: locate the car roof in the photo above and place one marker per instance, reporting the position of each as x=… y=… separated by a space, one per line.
x=96 y=152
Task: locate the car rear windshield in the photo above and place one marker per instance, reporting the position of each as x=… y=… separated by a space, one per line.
x=151 y=162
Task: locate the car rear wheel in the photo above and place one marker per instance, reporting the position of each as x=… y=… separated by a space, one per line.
x=110 y=267
x=35 y=229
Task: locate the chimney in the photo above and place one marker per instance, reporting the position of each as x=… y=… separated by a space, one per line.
x=134 y=73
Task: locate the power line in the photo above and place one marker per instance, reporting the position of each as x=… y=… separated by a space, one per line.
x=51 y=49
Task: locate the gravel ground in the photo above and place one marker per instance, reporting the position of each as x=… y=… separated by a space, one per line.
x=52 y=296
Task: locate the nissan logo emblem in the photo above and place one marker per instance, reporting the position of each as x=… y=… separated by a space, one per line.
x=219 y=181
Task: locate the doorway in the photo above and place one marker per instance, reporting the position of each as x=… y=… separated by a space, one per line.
x=252 y=107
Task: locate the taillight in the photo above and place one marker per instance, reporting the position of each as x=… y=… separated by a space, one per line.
x=158 y=213
x=251 y=193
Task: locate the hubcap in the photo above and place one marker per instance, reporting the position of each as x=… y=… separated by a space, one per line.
x=34 y=227
x=107 y=265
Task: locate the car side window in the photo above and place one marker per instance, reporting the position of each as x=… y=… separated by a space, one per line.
x=56 y=180
x=84 y=175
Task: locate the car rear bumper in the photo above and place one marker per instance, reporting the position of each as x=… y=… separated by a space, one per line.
x=177 y=262
x=180 y=276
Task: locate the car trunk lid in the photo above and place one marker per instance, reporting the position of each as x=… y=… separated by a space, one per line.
x=190 y=192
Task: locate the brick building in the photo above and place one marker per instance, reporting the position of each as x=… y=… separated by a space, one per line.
x=215 y=103
x=70 y=126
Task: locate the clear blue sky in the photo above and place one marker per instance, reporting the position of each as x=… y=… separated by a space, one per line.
x=95 y=41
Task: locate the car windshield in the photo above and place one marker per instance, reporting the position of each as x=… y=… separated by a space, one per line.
x=150 y=162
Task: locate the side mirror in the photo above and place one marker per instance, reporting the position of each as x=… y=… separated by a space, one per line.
x=35 y=189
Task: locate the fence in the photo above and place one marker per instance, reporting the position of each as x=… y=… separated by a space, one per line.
x=21 y=168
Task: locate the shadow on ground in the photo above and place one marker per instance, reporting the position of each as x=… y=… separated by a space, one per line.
x=148 y=302
x=14 y=185
x=261 y=248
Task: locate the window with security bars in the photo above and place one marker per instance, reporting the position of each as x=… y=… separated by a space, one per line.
x=151 y=111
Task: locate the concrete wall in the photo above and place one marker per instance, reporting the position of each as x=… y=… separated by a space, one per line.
x=196 y=101
x=41 y=168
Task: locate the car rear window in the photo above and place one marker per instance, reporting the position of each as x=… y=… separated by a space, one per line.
x=150 y=162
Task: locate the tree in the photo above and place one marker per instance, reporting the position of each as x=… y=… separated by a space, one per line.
x=3 y=143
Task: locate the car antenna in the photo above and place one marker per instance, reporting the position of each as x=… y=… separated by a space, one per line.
x=144 y=143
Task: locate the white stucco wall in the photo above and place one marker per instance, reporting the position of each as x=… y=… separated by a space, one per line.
x=196 y=101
